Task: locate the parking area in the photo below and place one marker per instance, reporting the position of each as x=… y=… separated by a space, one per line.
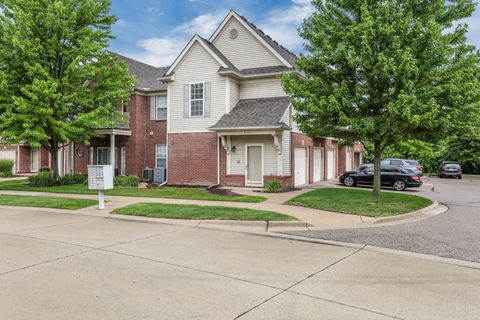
x=453 y=234
x=68 y=266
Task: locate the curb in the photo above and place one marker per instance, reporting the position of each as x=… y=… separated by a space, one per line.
x=359 y=246
x=265 y=225
x=431 y=210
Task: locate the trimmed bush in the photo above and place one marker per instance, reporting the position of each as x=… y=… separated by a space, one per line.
x=6 y=167
x=126 y=181
x=73 y=179
x=273 y=186
x=43 y=179
x=45 y=169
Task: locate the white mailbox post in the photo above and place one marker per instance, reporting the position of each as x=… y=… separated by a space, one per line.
x=100 y=178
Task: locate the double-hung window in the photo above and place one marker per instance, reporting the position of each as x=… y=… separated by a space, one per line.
x=197 y=99
x=158 y=107
x=161 y=156
x=161 y=107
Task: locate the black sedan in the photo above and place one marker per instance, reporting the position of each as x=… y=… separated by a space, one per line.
x=396 y=177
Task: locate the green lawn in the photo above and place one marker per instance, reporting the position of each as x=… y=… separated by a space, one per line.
x=360 y=202
x=45 y=202
x=178 y=211
x=164 y=192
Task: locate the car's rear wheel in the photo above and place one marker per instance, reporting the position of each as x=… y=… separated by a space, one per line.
x=460 y=177
x=349 y=181
x=399 y=185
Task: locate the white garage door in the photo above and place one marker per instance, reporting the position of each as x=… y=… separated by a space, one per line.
x=317 y=164
x=331 y=164
x=300 y=166
x=10 y=155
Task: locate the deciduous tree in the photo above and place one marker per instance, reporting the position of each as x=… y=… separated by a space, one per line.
x=384 y=71
x=57 y=81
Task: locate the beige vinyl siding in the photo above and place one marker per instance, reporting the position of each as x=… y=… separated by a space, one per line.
x=234 y=93
x=238 y=157
x=261 y=88
x=245 y=51
x=197 y=66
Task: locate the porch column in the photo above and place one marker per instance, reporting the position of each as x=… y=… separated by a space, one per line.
x=112 y=153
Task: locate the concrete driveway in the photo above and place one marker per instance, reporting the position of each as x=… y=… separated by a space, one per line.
x=68 y=266
x=453 y=234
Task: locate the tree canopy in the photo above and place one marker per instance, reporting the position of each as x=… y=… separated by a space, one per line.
x=385 y=71
x=57 y=81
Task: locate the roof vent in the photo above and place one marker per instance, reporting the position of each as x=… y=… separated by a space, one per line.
x=233 y=33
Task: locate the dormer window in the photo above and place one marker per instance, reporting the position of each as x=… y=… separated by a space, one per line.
x=197 y=99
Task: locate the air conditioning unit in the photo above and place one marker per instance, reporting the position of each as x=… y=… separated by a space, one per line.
x=160 y=175
x=147 y=175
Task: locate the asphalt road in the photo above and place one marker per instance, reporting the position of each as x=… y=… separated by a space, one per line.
x=453 y=234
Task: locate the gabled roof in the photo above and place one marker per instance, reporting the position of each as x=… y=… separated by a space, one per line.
x=147 y=75
x=209 y=47
x=255 y=113
x=284 y=55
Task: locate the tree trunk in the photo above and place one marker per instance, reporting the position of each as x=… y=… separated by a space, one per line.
x=377 y=169
x=54 y=154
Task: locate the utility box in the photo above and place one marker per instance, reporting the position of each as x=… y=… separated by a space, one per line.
x=100 y=178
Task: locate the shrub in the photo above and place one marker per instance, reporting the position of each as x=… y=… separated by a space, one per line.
x=73 y=179
x=126 y=181
x=45 y=169
x=43 y=179
x=6 y=167
x=273 y=186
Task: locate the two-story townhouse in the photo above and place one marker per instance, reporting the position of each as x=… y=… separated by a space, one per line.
x=217 y=115
x=230 y=121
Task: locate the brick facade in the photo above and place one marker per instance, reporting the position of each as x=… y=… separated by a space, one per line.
x=192 y=158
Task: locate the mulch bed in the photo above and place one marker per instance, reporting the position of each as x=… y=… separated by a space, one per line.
x=224 y=192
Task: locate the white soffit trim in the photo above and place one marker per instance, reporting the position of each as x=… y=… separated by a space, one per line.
x=249 y=28
x=187 y=48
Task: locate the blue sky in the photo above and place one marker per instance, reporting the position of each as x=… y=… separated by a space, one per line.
x=155 y=31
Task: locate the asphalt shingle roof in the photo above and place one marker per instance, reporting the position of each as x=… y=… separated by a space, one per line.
x=255 y=113
x=147 y=75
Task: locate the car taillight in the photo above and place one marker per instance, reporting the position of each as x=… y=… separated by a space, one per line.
x=416 y=178
x=420 y=168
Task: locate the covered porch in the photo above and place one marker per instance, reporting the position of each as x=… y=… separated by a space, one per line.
x=255 y=143
x=109 y=154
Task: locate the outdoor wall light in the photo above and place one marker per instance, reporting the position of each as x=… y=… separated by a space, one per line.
x=233 y=149
x=150 y=133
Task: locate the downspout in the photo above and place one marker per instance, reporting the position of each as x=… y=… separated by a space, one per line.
x=218 y=161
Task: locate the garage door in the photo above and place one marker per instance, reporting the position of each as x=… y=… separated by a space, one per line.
x=331 y=164
x=317 y=164
x=300 y=166
x=10 y=155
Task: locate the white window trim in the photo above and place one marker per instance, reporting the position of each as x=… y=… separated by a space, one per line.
x=108 y=148
x=156 y=153
x=156 y=106
x=190 y=99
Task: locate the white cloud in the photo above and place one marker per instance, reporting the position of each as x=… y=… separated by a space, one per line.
x=282 y=23
x=159 y=51
x=300 y=10
x=203 y=25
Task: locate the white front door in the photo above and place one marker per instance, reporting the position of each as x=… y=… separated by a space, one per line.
x=300 y=166
x=348 y=165
x=331 y=164
x=254 y=164
x=10 y=155
x=34 y=160
x=317 y=164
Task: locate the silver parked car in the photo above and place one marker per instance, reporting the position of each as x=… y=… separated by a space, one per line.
x=412 y=165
